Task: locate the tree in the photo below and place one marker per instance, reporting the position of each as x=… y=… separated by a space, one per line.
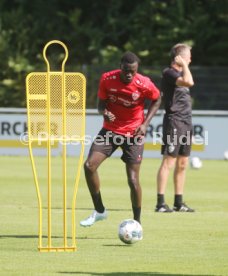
x=98 y=32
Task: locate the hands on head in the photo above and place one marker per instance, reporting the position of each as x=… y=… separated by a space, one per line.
x=180 y=61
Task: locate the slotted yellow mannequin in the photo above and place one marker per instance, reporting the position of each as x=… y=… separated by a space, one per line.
x=56 y=115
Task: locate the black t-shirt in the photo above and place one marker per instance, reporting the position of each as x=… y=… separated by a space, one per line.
x=176 y=99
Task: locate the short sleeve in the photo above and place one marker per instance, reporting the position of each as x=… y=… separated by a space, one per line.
x=102 y=90
x=171 y=76
x=151 y=91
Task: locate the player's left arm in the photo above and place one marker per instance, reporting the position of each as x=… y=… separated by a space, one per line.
x=153 y=108
x=151 y=92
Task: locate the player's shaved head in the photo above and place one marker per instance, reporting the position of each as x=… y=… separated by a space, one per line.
x=130 y=58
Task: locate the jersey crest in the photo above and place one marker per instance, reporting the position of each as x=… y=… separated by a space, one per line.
x=135 y=95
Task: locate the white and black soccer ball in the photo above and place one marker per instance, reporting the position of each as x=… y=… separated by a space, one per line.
x=130 y=231
x=196 y=163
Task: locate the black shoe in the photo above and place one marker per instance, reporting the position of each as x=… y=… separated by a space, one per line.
x=164 y=208
x=183 y=208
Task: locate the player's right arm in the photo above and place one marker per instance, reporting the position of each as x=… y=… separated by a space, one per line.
x=185 y=80
x=108 y=116
x=102 y=101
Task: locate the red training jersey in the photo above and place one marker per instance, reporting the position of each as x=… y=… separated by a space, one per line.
x=126 y=101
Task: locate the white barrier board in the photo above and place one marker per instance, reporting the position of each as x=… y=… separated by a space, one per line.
x=210 y=129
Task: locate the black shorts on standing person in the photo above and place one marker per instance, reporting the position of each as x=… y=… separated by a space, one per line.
x=177 y=137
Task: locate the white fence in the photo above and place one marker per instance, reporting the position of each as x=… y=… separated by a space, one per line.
x=210 y=129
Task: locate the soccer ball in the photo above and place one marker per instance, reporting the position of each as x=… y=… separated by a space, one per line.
x=226 y=155
x=196 y=163
x=130 y=231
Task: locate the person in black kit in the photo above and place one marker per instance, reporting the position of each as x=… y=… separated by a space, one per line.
x=177 y=127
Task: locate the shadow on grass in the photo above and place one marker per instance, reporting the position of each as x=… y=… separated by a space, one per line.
x=27 y=237
x=88 y=209
x=19 y=236
x=138 y=273
x=54 y=237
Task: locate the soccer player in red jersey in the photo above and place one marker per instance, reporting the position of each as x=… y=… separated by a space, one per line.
x=121 y=96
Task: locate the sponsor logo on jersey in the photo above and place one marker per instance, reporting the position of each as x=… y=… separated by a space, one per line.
x=112 y=98
x=124 y=101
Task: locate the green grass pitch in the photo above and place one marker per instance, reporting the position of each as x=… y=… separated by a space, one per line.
x=173 y=244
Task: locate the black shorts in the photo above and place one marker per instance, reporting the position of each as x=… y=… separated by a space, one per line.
x=107 y=142
x=177 y=137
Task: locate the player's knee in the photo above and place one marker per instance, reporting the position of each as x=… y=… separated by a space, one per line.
x=167 y=166
x=181 y=166
x=133 y=183
x=89 y=167
x=170 y=166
